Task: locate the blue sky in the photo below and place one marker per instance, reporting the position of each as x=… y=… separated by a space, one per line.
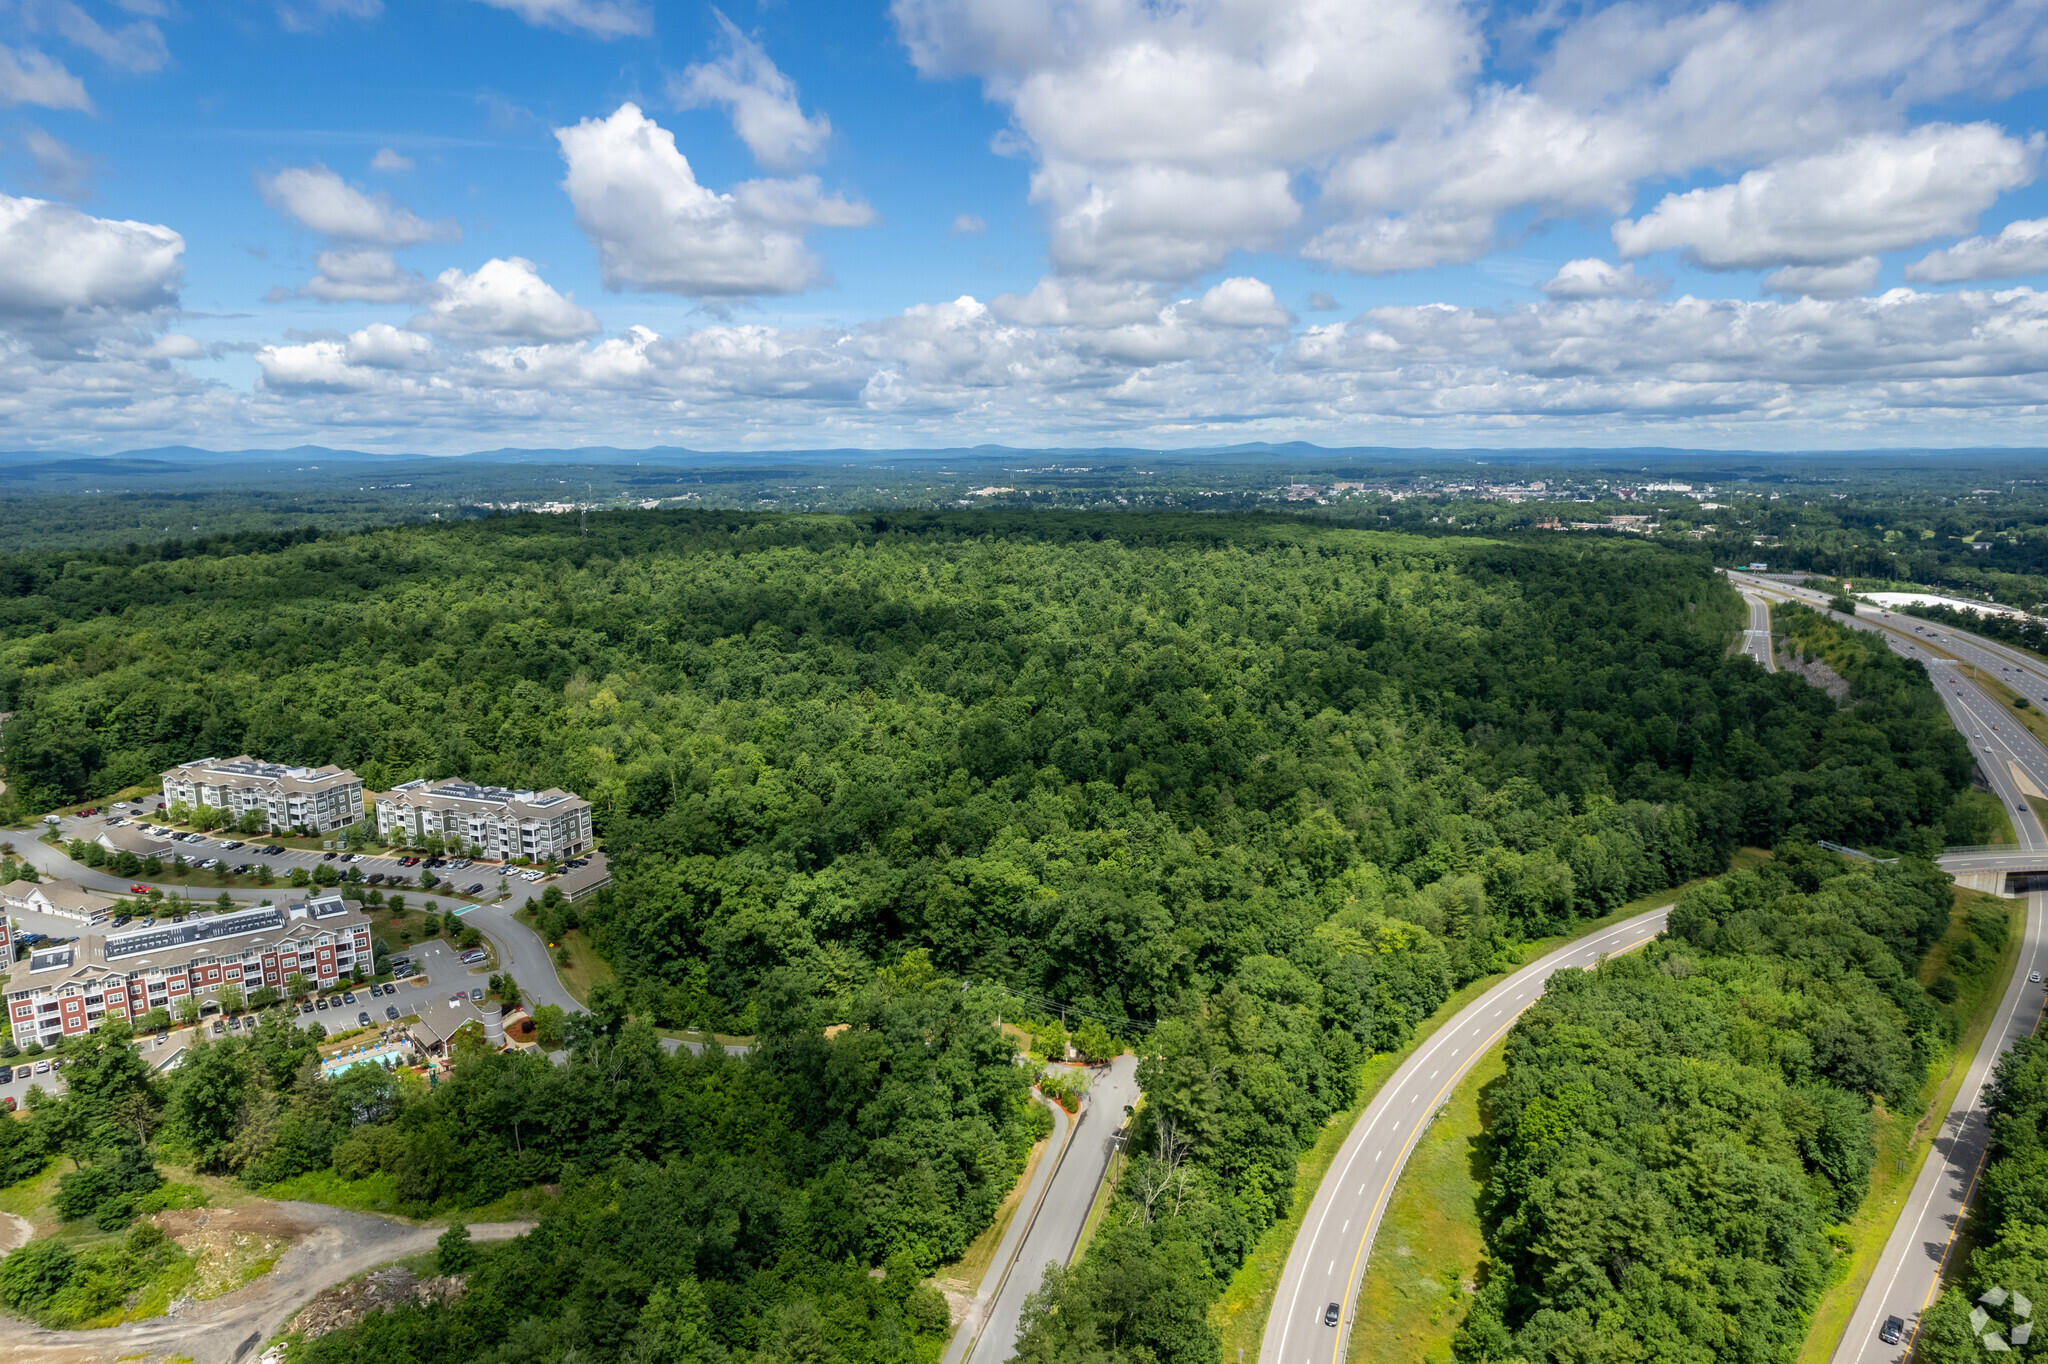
x=456 y=224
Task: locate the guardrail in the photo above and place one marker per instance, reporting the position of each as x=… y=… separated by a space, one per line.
x=1851 y=852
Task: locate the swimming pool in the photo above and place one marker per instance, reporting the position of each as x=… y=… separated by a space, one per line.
x=387 y=1056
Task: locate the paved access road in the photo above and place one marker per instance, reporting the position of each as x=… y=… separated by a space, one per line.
x=1054 y=1226
x=1329 y=1255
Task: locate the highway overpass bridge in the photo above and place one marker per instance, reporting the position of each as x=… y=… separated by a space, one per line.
x=2002 y=870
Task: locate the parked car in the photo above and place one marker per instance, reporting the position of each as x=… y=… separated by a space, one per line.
x=347 y=997
x=232 y=844
x=305 y=1006
x=327 y=857
x=373 y=878
x=42 y=1067
x=363 y=1019
x=220 y=1026
x=8 y=1100
x=6 y=1074
x=123 y=920
x=474 y=957
x=391 y=1011
x=209 y=864
x=348 y=857
x=476 y=889
x=476 y=996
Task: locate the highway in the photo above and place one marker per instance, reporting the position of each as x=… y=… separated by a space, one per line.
x=1756 y=640
x=1908 y=1272
x=1329 y=1256
x=2012 y=760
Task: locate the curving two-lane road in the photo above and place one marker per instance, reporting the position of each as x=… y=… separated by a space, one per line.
x=1329 y=1255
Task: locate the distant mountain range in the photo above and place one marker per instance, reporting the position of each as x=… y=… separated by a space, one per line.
x=170 y=458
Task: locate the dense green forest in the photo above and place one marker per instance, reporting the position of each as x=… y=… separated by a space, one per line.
x=1676 y=1129
x=1256 y=793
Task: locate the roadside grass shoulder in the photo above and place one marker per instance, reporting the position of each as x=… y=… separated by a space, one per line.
x=1905 y=1138
x=961 y=1279
x=1239 y=1315
x=585 y=966
x=1429 y=1254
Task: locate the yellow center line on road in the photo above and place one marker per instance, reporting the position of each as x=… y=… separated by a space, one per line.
x=1386 y=1184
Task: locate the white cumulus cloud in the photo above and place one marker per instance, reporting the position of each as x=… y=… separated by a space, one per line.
x=58 y=264
x=598 y=18
x=1846 y=280
x=388 y=160
x=1873 y=193
x=30 y=77
x=1595 y=278
x=504 y=300
x=1243 y=302
x=655 y=227
x=321 y=200
x=2020 y=248
x=760 y=99
x=361 y=276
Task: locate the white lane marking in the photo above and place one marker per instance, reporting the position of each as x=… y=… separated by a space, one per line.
x=1347 y=1226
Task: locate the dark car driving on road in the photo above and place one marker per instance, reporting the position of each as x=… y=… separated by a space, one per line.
x=1894 y=1327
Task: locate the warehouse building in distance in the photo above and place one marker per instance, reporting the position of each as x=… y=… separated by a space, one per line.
x=317 y=799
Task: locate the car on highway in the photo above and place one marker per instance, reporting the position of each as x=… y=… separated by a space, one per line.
x=1894 y=1327
x=1331 y=1313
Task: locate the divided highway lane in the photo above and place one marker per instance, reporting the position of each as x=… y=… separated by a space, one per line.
x=1909 y=1271
x=2004 y=748
x=1329 y=1254
x=1756 y=640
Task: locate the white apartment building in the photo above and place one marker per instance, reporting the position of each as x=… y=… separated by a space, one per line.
x=504 y=823
x=62 y=989
x=320 y=799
